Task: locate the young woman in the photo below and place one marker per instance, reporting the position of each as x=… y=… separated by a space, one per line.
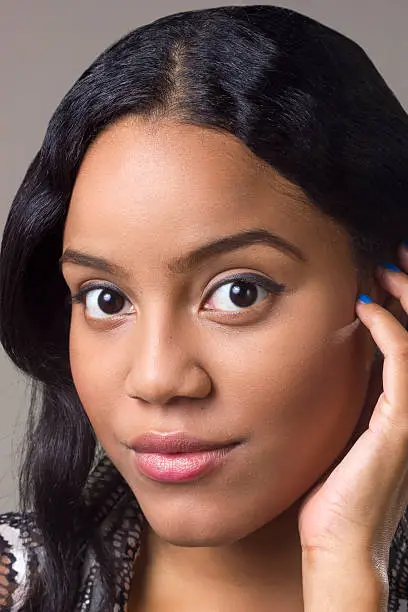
x=195 y=277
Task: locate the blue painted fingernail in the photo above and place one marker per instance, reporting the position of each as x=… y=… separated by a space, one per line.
x=390 y=266
x=365 y=298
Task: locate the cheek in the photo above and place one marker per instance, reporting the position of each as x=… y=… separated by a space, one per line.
x=95 y=378
x=305 y=402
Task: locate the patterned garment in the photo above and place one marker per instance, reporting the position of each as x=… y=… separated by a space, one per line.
x=121 y=522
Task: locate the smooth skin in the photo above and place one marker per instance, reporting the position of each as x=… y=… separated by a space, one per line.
x=290 y=376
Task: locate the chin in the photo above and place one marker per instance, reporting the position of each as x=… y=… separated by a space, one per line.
x=194 y=528
x=190 y=519
x=195 y=538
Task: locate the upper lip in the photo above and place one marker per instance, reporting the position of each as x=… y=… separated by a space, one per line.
x=174 y=442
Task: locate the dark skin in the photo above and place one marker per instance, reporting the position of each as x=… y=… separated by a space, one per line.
x=288 y=376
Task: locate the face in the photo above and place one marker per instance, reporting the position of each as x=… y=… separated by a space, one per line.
x=276 y=362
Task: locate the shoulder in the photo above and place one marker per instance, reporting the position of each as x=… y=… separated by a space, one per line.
x=20 y=554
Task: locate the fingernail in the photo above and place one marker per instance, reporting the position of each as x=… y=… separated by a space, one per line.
x=365 y=298
x=390 y=266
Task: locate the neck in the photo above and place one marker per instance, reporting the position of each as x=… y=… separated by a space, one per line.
x=262 y=571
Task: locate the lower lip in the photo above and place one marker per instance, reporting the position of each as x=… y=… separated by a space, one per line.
x=180 y=467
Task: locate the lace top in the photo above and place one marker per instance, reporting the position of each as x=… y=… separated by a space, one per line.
x=121 y=521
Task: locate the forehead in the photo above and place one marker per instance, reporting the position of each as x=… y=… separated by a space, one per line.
x=176 y=185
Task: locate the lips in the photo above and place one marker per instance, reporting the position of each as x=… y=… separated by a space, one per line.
x=178 y=457
x=177 y=442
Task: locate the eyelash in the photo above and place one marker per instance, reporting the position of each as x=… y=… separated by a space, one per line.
x=270 y=286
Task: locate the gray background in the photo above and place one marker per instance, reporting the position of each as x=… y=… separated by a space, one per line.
x=44 y=47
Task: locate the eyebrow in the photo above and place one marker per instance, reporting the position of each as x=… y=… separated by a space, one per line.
x=186 y=263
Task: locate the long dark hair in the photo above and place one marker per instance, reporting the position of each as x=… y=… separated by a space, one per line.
x=301 y=96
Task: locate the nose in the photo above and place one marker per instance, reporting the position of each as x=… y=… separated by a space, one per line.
x=164 y=363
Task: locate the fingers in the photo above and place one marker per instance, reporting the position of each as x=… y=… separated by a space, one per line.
x=394 y=282
x=392 y=339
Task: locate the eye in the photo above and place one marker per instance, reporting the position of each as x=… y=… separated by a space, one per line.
x=101 y=301
x=243 y=291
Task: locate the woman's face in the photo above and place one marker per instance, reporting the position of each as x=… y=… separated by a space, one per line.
x=285 y=374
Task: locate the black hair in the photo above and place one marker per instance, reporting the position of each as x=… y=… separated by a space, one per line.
x=304 y=98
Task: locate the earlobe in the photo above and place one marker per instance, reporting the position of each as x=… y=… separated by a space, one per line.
x=380 y=294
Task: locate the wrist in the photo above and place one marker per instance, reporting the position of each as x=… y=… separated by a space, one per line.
x=340 y=583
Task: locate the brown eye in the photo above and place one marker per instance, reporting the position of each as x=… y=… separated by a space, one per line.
x=101 y=302
x=242 y=292
x=110 y=302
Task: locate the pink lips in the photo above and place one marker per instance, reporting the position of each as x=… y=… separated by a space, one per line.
x=177 y=457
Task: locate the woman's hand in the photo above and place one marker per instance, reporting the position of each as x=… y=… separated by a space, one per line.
x=347 y=522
